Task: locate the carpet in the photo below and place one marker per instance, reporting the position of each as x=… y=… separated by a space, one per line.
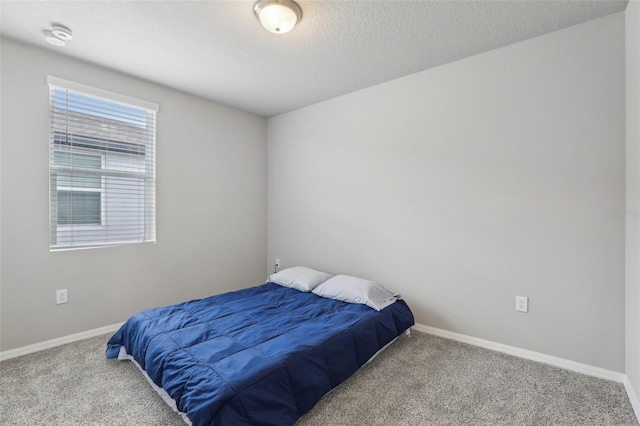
x=418 y=380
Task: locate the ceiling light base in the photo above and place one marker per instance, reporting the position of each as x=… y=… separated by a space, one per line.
x=278 y=16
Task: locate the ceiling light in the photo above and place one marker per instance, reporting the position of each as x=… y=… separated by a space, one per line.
x=278 y=16
x=51 y=38
x=63 y=33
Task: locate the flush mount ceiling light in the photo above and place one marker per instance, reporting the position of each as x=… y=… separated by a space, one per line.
x=58 y=35
x=278 y=16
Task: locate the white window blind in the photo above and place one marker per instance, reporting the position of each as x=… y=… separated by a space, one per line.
x=102 y=164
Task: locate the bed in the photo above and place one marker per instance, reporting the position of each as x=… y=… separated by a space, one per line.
x=258 y=356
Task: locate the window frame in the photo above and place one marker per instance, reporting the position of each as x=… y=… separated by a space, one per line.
x=148 y=178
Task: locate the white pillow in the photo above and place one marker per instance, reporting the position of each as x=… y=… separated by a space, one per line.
x=357 y=290
x=300 y=278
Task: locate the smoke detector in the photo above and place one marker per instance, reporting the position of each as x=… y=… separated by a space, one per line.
x=63 y=33
x=58 y=35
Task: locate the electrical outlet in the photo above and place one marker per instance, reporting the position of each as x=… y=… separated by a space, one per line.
x=61 y=296
x=278 y=263
x=522 y=304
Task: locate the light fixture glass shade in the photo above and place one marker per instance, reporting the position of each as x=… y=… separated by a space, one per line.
x=278 y=16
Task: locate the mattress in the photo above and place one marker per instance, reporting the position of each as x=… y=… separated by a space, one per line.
x=259 y=356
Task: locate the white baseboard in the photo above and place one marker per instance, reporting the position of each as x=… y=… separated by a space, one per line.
x=24 y=350
x=633 y=396
x=527 y=354
x=539 y=357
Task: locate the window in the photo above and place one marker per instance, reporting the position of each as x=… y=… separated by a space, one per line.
x=102 y=167
x=79 y=196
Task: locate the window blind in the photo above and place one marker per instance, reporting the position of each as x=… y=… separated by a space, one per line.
x=102 y=165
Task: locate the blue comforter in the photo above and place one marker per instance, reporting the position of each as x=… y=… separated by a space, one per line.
x=259 y=356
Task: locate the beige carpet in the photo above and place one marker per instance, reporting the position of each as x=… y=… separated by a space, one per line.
x=419 y=380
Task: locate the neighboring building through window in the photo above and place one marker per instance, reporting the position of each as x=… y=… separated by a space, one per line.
x=102 y=167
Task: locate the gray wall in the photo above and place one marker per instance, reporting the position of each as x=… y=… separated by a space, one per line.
x=466 y=185
x=211 y=207
x=632 y=264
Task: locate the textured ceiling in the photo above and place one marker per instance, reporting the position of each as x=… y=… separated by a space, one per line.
x=219 y=51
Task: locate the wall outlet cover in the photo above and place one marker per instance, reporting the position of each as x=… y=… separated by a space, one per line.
x=522 y=304
x=62 y=296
